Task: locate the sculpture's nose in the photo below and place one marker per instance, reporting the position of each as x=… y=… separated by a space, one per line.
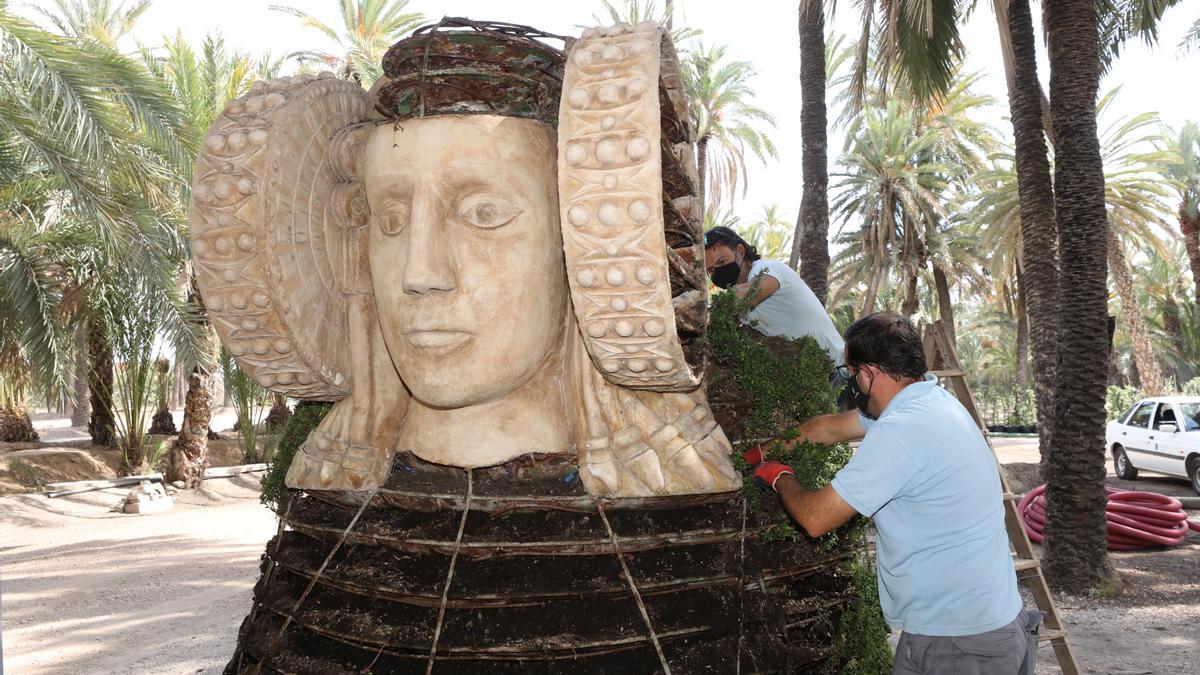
x=429 y=264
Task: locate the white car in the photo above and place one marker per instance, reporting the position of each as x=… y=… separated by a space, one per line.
x=1159 y=434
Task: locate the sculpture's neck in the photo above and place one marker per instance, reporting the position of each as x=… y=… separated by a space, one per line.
x=531 y=419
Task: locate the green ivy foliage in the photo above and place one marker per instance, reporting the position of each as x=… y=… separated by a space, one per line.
x=783 y=390
x=307 y=416
x=863 y=635
x=787 y=382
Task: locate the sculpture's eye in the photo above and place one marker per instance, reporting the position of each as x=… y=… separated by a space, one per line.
x=486 y=211
x=395 y=218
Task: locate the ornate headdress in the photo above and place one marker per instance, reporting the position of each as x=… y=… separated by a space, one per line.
x=279 y=221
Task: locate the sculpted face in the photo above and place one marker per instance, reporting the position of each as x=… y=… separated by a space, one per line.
x=466 y=253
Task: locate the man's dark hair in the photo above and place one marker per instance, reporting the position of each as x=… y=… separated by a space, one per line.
x=888 y=341
x=724 y=235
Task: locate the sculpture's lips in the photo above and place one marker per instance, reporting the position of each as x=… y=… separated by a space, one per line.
x=436 y=339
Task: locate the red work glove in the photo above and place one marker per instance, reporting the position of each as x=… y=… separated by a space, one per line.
x=769 y=472
x=754 y=456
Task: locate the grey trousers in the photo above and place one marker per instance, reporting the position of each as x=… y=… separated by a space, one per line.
x=1008 y=650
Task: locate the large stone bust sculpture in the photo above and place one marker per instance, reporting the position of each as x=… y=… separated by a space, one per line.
x=476 y=259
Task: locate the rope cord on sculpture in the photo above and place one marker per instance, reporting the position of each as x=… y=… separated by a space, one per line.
x=270 y=573
x=312 y=583
x=462 y=524
x=637 y=596
x=741 y=598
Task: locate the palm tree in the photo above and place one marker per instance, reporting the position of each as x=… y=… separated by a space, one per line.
x=202 y=82
x=1162 y=288
x=770 y=233
x=1179 y=161
x=102 y=21
x=915 y=40
x=894 y=188
x=1039 y=231
x=812 y=227
x=634 y=12
x=1076 y=554
x=721 y=108
x=369 y=28
x=1135 y=197
x=105 y=141
x=1192 y=38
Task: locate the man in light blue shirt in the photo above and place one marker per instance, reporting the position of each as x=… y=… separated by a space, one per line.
x=926 y=476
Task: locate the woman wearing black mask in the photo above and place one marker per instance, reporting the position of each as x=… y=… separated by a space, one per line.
x=783 y=304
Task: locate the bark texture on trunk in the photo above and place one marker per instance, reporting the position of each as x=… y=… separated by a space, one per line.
x=279 y=414
x=102 y=425
x=1022 y=356
x=945 y=305
x=872 y=293
x=910 y=304
x=1135 y=321
x=1189 y=226
x=189 y=455
x=702 y=172
x=1076 y=554
x=81 y=410
x=1039 y=233
x=15 y=425
x=810 y=245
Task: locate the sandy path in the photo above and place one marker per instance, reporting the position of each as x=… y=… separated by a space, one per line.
x=85 y=590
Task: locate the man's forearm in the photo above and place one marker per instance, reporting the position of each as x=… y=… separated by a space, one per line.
x=828 y=429
x=817 y=511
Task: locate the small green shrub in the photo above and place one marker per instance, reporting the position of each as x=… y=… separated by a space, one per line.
x=1191 y=387
x=304 y=419
x=1120 y=399
x=25 y=473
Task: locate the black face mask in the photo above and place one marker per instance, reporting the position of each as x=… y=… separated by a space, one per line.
x=726 y=275
x=861 y=398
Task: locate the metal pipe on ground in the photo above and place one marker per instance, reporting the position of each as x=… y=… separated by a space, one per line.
x=81 y=486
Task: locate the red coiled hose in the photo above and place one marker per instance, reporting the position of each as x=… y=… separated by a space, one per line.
x=1136 y=520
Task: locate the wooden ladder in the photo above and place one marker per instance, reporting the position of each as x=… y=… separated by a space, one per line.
x=943 y=361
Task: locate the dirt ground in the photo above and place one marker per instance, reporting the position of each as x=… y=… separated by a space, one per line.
x=66 y=454
x=86 y=589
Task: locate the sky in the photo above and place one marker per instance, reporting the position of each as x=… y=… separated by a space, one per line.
x=763 y=32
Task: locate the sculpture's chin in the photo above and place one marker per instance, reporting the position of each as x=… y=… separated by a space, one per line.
x=456 y=387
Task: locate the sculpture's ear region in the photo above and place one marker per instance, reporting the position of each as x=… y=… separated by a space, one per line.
x=268 y=230
x=627 y=189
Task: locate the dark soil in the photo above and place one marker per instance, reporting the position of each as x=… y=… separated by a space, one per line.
x=538 y=589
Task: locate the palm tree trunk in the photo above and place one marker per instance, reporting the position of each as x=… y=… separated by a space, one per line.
x=278 y=416
x=945 y=306
x=102 y=424
x=1189 y=225
x=1076 y=556
x=872 y=291
x=1022 y=356
x=81 y=410
x=1039 y=233
x=189 y=455
x=910 y=304
x=810 y=245
x=702 y=171
x=1135 y=321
